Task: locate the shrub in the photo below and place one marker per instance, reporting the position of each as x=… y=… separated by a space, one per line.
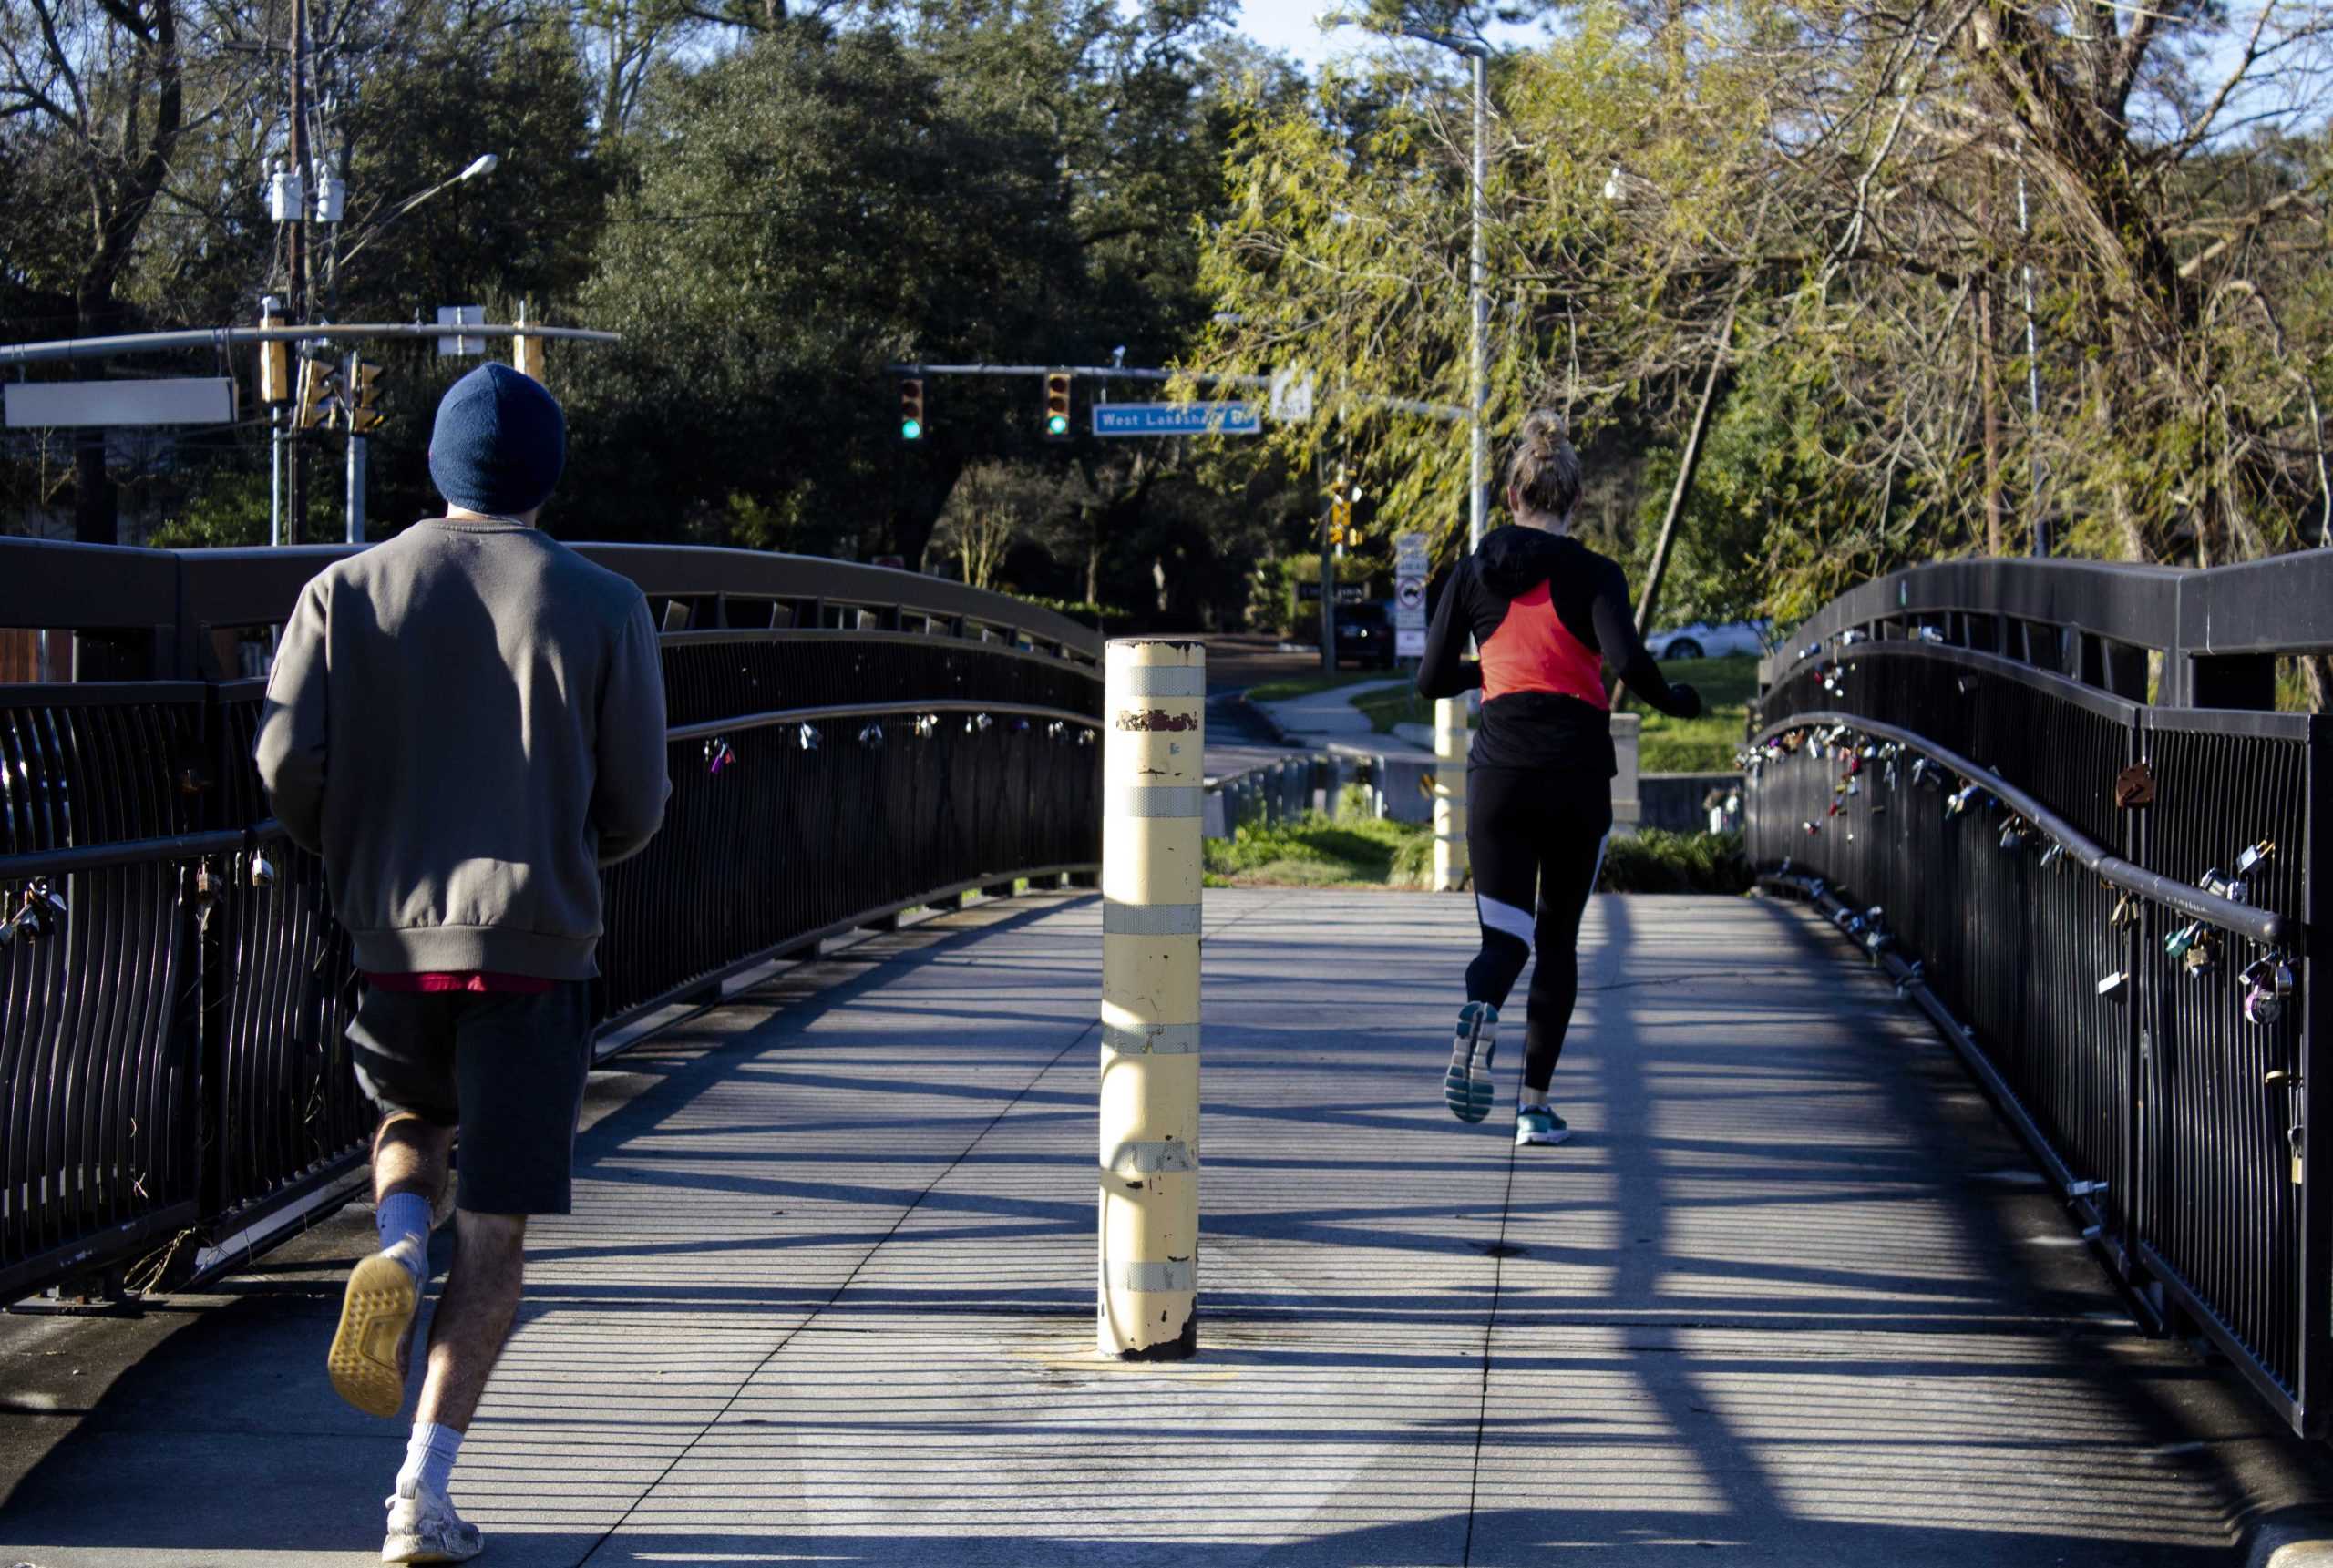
x=1653 y=861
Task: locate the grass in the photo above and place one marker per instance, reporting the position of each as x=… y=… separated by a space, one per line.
x=1316 y=850
x=1396 y=705
x=1283 y=689
x=1706 y=744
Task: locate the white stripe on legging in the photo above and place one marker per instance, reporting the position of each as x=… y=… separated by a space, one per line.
x=1498 y=916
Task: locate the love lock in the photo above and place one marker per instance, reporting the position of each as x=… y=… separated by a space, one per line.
x=2053 y=856
x=2203 y=955
x=2126 y=912
x=2013 y=833
x=871 y=736
x=2255 y=855
x=2262 y=1005
x=928 y=725
x=808 y=736
x=718 y=754
x=2135 y=787
x=263 y=873
x=2179 y=942
x=1960 y=800
x=41 y=914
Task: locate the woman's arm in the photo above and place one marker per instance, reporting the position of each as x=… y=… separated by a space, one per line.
x=1615 y=633
x=1445 y=672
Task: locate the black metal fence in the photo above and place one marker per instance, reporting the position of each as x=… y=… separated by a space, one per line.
x=1997 y=778
x=845 y=741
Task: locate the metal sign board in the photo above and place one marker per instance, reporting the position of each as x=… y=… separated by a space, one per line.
x=1408 y=644
x=1347 y=592
x=1178 y=419
x=1409 y=593
x=1291 y=397
x=1409 y=555
x=178 y=400
x=461 y=316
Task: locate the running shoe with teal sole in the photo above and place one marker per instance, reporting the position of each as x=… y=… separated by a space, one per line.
x=1538 y=1124
x=1466 y=1087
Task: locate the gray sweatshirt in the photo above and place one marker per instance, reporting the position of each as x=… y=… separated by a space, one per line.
x=466 y=722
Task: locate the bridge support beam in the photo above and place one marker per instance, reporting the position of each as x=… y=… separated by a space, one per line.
x=1153 y=781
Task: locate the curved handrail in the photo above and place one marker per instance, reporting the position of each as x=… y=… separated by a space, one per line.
x=48 y=583
x=2263 y=926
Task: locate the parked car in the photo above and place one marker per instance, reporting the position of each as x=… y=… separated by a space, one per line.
x=1702 y=640
x=1364 y=636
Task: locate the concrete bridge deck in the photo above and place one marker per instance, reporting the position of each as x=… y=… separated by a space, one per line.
x=1790 y=1295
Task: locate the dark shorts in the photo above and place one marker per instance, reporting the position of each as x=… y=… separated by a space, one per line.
x=507 y=1069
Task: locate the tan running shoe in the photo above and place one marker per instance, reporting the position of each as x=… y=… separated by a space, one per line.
x=367 y=1358
x=424 y=1527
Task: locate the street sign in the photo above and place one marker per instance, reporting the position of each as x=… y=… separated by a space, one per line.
x=52 y=405
x=1178 y=419
x=461 y=316
x=1291 y=397
x=1409 y=555
x=1409 y=644
x=1409 y=594
x=1347 y=592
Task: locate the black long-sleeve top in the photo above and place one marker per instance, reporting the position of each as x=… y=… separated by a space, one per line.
x=1546 y=613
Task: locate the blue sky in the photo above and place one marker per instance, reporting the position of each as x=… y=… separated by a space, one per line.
x=1290 y=26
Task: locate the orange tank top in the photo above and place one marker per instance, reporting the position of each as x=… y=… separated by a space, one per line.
x=1533 y=651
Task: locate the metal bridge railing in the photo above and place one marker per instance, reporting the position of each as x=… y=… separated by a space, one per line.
x=846 y=743
x=2047 y=862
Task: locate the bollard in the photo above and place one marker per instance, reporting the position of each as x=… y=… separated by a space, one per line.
x=1449 y=794
x=1154 y=696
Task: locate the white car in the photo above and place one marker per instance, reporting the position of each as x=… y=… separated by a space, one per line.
x=1702 y=640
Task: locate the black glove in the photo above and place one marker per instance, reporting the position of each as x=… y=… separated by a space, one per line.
x=1685 y=703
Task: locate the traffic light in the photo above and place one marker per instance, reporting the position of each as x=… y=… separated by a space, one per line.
x=1057 y=405
x=363 y=416
x=320 y=393
x=911 y=408
x=274 y=360
x=1341 y=498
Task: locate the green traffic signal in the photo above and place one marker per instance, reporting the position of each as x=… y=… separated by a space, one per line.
x=1057 y=426
x=910 y=429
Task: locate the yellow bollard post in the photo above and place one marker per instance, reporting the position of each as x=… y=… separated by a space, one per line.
x=1449 y=794
x=1155 y=701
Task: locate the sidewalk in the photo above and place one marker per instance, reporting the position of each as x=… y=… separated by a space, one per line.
x=1789 y=1297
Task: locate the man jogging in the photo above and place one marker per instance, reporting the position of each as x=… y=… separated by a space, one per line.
x=466 y=722
x=1547 y=612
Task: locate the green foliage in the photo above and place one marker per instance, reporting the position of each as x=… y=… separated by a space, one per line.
x=1314 y=851
x=1705 y=744
x=230 y=508
x=1653 y=861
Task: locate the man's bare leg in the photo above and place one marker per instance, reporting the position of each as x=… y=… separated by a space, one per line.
x=475 y=1312
x=370 y=1349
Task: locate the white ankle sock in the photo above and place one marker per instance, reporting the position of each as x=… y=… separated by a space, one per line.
x=1533 y=1097
x=402 y=1222
x=429 y=1455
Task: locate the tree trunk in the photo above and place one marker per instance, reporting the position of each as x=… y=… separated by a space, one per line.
x=1687 y=464
x=1991 y=391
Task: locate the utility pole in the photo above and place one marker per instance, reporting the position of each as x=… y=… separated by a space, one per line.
x=2032 y=380
x=297 y=487
x=1327 y=571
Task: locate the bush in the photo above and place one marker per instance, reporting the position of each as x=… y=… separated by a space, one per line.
x=1653 y=861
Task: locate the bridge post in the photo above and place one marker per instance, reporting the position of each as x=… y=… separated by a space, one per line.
x=1155 y=697
x=1449 y=794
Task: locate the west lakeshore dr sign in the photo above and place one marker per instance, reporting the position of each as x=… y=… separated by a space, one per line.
x=1178 y=418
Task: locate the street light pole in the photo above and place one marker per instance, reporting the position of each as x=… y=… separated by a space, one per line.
x=1450 y=713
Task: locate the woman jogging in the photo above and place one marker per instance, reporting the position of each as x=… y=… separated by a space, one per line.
x=1546 y=611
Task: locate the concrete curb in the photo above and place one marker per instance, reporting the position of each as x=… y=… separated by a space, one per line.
x=2300 y=1536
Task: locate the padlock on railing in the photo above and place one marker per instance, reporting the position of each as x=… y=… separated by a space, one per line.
x=263 y=873
x=2054 y=855
x=871 y=736
x=1960 y=800
x=807 y=737
x=42 y=914
x=2176 y=944
x=2267 y=983
x=2126 y=912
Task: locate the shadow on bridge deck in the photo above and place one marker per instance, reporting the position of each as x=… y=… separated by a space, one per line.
x=1790 y=1295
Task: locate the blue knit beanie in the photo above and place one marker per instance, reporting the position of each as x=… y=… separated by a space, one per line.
x=500 y=443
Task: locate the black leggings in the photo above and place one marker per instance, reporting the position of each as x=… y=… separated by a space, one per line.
x=1536 y=840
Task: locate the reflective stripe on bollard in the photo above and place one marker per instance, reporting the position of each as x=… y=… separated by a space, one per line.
x=1147 y=1180
x=1449 y=794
